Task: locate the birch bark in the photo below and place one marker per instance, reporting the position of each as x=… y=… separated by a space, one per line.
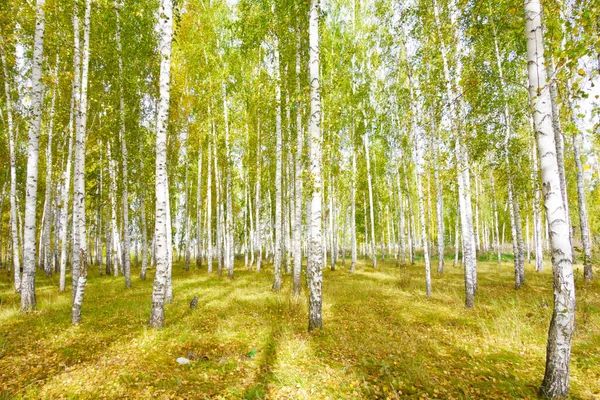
x=558 y=351
x=299 y=171
x=79 y=180
x=28 y=299
x=16 y=257
x=315 y=256
x=157 y=312
x=126 y=256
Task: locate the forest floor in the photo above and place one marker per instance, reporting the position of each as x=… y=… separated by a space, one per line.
x=382 y=338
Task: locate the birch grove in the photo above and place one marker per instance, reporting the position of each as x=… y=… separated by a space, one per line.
x=217 y=144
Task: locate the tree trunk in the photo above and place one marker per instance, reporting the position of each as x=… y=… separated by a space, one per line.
x=315 y=256
x=278 y=182
x=353 y=205
x=199 y=211
x=581 y=204
x=79 y=181
x=165 y=24
x=209 y=247
x=439 y=208
x=16 y=257
x=258 y=204
x=371 y=211
x=558 y=351
x=229 y=244
x=424 y=237
x=114 y=256
x=126 y=256
x=495 y=210
x=537 y=215
x=46 y=258
x=144 y=235
x=299 y=171
x=466 y=213
x=28 y=299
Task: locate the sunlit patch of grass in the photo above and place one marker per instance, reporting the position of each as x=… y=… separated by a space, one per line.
x=383 y=338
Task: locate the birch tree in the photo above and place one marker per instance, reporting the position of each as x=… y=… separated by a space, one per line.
x=79 y=233
x=558 y=352
x=315 y=255
x=28 y=299
x=165 y=25
x=16 y=256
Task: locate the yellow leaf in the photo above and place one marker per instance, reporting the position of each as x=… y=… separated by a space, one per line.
x=581 y=72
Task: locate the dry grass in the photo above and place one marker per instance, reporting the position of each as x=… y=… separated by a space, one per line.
x=382 y=338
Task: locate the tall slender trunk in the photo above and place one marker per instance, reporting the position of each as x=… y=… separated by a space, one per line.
x=144 y=234
x=558 y=351
x=581 y=204
x=411 y=237
x=157 y=313
x=401 y=222
x=560 y=146
x=209 y=236
x=496 y=225
x=439 y=208
x=299 y=171
x=28 y=299
x=258 y=203
x=229 y=244
x=115 y=240
x=79 y=180
x=16 y=257
x=169 y=289
x=520 y=243
x=456 y=238
x=537 y=215
x=315 y=255
x=46 y=259
x=199 y=211
x=278 y=182
x=466 y=213
x=353 y=206
x=371 y=211
x=424 y=237
x=126 y=256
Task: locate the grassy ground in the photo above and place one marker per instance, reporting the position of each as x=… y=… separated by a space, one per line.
x=382 y=338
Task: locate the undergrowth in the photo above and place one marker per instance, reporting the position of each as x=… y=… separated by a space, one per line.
x=382 y=338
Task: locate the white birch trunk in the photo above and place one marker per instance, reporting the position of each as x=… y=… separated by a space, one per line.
x=126 y=256
x=466 y=214
x=46 y=259
x=199 y=211
x=79 y=180
x=157 y=313
x=16 y=257
x=496 y=224
x=537 y=215
x=353 y=206
x=258 y=204
x=371 y=211
x=581 y=203
x=229 y=244
x=558 y=351
x=144 y=236
x=28 y=299
x=278 y=181
x=315 y=255
x=209 y=248
x=439 y=209
x=298 y=181
x=115 y=240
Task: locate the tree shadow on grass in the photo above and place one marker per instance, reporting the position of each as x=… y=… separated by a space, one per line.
x=259 y=389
